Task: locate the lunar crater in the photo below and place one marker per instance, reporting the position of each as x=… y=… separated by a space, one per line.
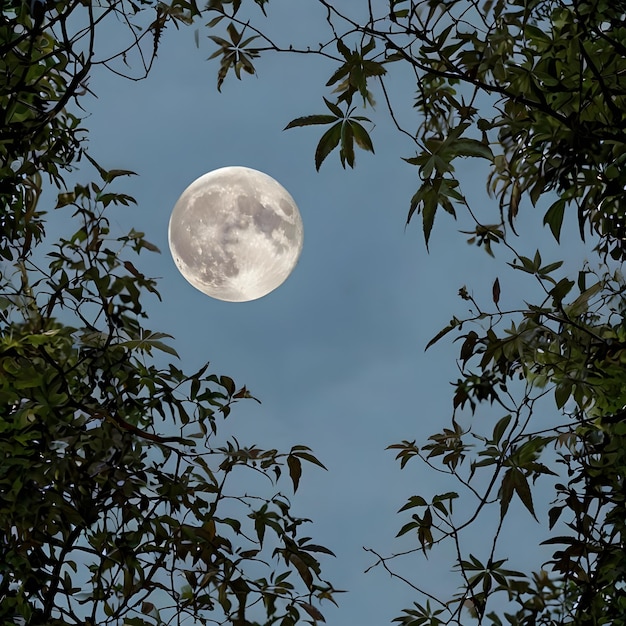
x=235 y=234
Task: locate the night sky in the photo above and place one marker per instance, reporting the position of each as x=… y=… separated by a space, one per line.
x=336 y=354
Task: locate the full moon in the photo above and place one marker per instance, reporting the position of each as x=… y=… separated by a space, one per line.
x=235 y=234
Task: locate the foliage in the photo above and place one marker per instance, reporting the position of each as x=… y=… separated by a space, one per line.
x=535 y=90
x=103 y=520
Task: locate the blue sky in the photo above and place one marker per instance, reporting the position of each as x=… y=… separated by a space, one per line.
x=336 y=354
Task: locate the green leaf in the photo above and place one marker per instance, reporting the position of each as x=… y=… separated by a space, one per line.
x=334 y=109
x=495 y=291
x=262 y=4
x=329 y=141
x=347 y=144
x=259 y=523
x=312 y=611
x=523 y=491
x=413 y=501
x=554 y=217
x=113 y=174
x=63 y=199
x=215 y=21
x=505 y=494
x=561 y=289
x=149 y=340
x=407 y=527
x=500 y=428
x=369 y=46
x=343 y=71
x=295 y=470
x=313 y=547
x=581 y=303
x=229 y=384
x=235 y=35
x=562 y=393
x=310 y=120
x=454 y=323
x=472 y=148
x=343 y=49
x=362 y=137
x=303 y=452
x=449 y=495
x=553 y=515
x=302 y=568
x=429 y=209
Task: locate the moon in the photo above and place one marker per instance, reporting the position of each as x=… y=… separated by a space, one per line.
x=235 y=234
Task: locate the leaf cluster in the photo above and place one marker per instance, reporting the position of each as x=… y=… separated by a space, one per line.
x=93 y=496
x=119 y=500
x=552 y=80
x=535 y=91
x=345 y=130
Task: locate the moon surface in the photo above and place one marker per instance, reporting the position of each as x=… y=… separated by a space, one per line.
x=235 y=234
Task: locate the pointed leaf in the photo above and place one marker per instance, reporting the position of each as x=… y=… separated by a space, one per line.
x=406 y=528
x=302 y=568
x=334 y=109
x=523 y=491
x=413 y=501
x=362 y=137
x=310 y=120
x=329 y=141
x=495 y=290
x=312 y=611
x=415 y=202
x=295 y=470
x=228 y=383
x=338 y=75
x=369 y=46
x=112 y=174
x=307 y=456
x=313 y=547
x=347 y=144
x=554 y=217
x=506 y=492
x=428 y=213
x=443 y=332
x=235 y=36
x=472 y=148
x=343 y=49
x=500 y=428
x=553 y=515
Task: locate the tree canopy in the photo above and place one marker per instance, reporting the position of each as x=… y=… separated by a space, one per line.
x=120 y=503
x=534 y=90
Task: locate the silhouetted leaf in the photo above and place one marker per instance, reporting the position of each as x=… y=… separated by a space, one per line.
x=413 y=501
x=310 y=120
x=554 y=217
x=443 y=332
x=329 y=141
x=362 y=137
x=495 y=291
x=295 y=470
x=522 y=489
x=312 y=611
